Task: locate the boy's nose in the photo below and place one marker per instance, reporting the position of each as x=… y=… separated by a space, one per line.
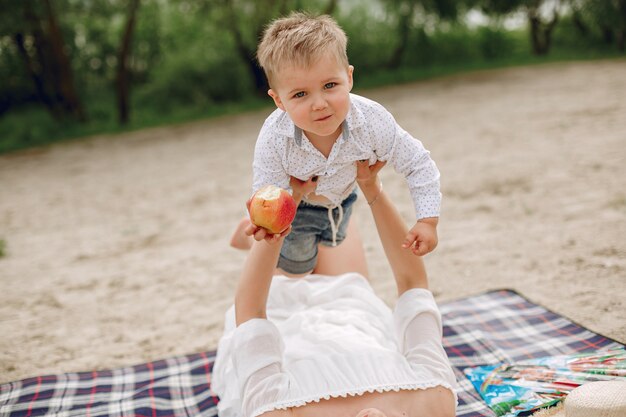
x=319 y=103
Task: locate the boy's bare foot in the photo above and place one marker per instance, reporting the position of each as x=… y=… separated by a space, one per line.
x=239 y=239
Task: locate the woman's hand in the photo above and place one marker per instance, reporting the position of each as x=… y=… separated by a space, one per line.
x=367 y=178
x=301 y=188
x=367 y=174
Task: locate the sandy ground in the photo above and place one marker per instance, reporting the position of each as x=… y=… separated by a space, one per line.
x=116 y=247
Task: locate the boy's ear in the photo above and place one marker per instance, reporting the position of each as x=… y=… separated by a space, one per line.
x=276 y=99
x=350 y=72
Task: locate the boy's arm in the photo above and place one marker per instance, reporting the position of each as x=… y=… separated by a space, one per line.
x=409 y=158
x=408 y=270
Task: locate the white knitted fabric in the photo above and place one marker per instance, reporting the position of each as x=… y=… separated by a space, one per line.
x=596 y=399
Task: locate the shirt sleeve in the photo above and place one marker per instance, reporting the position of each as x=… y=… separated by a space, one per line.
x=257 y=359
x=409 y=158
x=418 y=329
x=267 y=166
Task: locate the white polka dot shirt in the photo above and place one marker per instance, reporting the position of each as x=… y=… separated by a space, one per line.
x=369 y=132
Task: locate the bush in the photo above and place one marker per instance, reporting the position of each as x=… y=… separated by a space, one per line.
x=495 y=43
x=368 y=49
x=27 y=127
x=194 y=77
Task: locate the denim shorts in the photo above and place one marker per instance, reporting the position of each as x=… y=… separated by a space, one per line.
x=311 y=227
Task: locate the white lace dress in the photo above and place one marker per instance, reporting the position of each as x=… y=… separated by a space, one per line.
x=328 y=337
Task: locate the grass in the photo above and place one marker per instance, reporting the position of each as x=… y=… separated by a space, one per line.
x=33 y=126
x=406 y=74
x=3 y=246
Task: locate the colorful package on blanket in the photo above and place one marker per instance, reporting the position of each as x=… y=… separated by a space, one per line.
x=521 y=388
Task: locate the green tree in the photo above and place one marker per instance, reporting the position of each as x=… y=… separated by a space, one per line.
x=38 y=39
x=540 y=26
x=246 y=19
x=122 y=75
x=407 y=12
x=605 y=18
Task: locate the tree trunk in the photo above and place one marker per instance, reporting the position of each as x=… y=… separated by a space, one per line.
x=122 y=77
x=621 y=32
x=607 y=35
x=248 y=56
x=35 y=76
x=330 y=7
x=540 y=32
x=404 y=30
x=39 y=62
x=245 y=53
x=579 y=24
x=61 y=68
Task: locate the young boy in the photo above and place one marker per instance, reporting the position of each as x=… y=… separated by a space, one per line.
x=318 y=133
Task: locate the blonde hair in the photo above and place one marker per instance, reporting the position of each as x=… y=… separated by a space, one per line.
x=299 y=39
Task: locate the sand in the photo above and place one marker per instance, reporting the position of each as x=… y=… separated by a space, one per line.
x=117 y=246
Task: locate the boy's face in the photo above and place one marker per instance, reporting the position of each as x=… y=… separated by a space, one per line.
x=316 y=98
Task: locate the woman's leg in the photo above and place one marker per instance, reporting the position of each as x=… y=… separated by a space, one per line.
x=348 y=256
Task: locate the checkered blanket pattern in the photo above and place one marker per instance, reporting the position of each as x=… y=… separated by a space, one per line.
x=484 y=329
x=503 y=326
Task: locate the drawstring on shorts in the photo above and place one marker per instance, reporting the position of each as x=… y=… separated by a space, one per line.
x=334 y=227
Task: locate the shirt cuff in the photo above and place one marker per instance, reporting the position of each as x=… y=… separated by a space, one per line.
x=256 y=344
x=411 y=304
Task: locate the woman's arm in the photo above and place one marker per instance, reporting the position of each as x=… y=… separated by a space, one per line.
x=408 y=269
x=256 y=278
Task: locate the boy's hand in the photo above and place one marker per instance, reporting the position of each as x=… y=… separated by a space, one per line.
x=422 y=238
x=300 y=189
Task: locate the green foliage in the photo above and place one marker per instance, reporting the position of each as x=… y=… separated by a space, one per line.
x=3 y=246
x=600 y=21
x=191 y=58
x=459 y=45
x=452 y=46
x=28 y=127
x=194 y=76
x=496 y=43
x=369 y=49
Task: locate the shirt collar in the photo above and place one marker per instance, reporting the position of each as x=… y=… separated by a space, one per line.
x=354 y=119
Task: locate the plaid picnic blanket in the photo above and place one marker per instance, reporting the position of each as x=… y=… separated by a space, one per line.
x=498 y=326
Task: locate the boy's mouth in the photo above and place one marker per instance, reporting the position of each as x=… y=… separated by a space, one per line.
x=321 y=119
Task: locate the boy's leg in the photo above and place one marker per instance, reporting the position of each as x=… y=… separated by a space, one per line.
x=239 y=239
x=298 y=255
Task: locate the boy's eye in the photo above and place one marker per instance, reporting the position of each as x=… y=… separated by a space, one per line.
x=329 y=85
x=299 y=94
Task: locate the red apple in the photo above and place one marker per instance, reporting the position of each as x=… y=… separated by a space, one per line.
x=272 y=208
